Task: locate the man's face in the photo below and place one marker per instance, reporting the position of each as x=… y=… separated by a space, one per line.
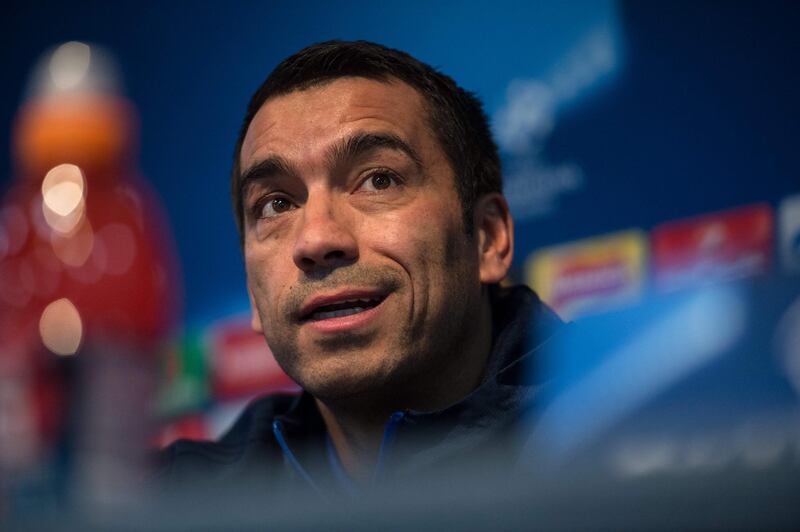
x=361 y=274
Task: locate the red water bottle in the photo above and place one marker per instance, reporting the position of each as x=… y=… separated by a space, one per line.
x=89 y=289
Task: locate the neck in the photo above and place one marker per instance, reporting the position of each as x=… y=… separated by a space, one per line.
x=356 y=425
x=356 y=436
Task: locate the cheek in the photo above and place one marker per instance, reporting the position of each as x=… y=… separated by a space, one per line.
x=273 y=233
x=266 y=279
x=424 y=244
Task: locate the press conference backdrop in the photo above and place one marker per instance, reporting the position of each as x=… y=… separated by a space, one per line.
x=649 y=154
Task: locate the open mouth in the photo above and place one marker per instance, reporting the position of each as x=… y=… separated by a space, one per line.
x=343 y=308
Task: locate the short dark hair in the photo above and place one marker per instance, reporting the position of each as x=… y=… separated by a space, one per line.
x=455 y=115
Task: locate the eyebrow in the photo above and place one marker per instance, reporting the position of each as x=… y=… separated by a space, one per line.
x=363 y=143
x=272 y=166
x=350 y=148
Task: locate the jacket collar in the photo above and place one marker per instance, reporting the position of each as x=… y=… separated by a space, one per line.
x=521 y=325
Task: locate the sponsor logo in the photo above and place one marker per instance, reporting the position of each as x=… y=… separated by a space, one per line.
x=789 y=219
x=524 y=122
x=243 y=364
x=184 y=377
x=712 y=248
x=589 y=275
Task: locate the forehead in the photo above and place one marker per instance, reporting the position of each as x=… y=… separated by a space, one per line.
x=303 y=122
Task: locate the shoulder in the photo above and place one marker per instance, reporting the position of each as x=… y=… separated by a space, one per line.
x=249 y=437
x=520 y=302
x=518 y=315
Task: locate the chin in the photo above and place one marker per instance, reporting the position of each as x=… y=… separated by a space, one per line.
x=347 y=376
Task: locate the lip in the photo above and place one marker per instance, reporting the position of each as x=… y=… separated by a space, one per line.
x=341 y=323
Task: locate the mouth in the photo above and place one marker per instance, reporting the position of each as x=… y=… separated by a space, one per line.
x=339 y=306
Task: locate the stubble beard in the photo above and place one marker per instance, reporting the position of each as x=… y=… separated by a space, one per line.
x=414 y=361
x=410 y=363
x=328 y=368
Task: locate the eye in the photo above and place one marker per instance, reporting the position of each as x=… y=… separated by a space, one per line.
x=273 y=207
x=379 y=180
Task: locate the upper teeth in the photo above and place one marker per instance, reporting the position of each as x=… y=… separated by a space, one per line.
x=337 y=313
x=364 y=301
x=358 y=305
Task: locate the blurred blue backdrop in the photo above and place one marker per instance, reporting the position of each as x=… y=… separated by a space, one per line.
x=610 y=115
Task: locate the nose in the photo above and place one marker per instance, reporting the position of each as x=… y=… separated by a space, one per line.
x=325 y=238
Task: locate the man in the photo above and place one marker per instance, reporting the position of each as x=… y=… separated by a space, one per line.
x=367 y=192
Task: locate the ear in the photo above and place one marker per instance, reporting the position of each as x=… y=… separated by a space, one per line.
x=255 y=318
x=495 y=231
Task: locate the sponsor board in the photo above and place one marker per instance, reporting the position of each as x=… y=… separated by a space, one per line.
x=590 y=275
x=183 y=377
x=713 y=247
x=242 y=363
x=191 y=427
x=789 y=221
